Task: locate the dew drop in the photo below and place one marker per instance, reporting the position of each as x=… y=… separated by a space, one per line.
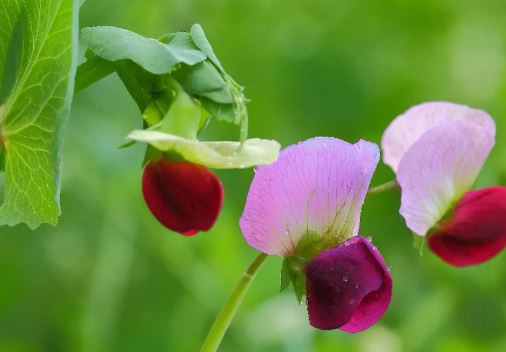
x=357 y=286
x=345 y=278
x=352 y=301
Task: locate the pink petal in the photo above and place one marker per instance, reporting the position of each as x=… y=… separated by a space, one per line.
x=477 y=230
x=184 y=197
x=348 y=287
x=437 y=170
x=316 y=186
x=407 y=128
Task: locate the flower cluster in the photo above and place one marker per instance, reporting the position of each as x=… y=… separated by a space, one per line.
x=306 y=205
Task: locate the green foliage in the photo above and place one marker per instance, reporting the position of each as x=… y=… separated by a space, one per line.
x=109 y=278
x=37 y=65
x=116 y=44
x=186 y=58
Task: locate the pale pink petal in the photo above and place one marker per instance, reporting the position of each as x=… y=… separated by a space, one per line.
x=437 y=170
x=407 y=128
x=317 y=186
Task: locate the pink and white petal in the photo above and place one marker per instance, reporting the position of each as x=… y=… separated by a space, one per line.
x=316 y=186
x=437 y=170
x=407 y=128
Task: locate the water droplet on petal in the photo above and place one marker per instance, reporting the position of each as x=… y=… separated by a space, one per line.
x=345 y=278
x=357 y=286
x=352 y=301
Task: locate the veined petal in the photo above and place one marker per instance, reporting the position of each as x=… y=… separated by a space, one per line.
x=406 y=129
x=476 y=231
x=348 y=287
x=437 y=170
x=184 y=197
x=316 y=187
x=217 y=155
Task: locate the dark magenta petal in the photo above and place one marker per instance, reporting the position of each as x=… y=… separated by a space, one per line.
x=477 y=230
x=184 y=197
x=348 y=287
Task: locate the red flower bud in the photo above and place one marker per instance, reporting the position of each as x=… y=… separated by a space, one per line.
x=184 y=197
x=476 y=231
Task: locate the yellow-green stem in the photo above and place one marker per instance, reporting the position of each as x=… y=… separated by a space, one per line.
x=227 y=313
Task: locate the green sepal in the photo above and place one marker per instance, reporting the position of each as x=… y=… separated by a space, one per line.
x=418 y=243
x=292 y=272
x=285 y=277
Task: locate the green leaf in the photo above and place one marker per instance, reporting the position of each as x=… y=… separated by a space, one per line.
x=204 y=80
x=219 y=155
x=114 y=44
x=42 y=34
x=222 y=112
x=141 y=85
x=92 y=71
x=200 y=40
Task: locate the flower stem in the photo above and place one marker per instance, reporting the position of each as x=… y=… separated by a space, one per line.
x=222 y=322
x=390 y=185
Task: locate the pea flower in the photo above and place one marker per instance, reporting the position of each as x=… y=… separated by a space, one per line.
x=437 y=150
x=306 y=207
x=179 y=189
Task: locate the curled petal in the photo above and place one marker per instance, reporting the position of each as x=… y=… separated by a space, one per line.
x=184 y=197
x=407 y=128
x=437 y=170
x=477 y=230
x=348 y=287
x=217 y=155
x=316 y=187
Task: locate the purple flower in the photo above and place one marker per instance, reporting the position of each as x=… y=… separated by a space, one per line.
x=437 y=150
x=306 y=207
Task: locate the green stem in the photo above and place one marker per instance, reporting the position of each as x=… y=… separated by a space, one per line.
x=222 y=322
x=384 y=187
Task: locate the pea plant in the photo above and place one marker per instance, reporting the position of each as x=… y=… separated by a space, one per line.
x=304 y=202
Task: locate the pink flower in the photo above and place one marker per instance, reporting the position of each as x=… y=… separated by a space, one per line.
x=306 y=207
x=437 y=150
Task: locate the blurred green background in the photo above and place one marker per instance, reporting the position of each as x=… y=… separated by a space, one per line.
x=110 y=278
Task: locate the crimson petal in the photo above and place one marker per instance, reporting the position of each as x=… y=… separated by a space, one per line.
x=348 y=287
x=477 y=230
x=184 y=197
